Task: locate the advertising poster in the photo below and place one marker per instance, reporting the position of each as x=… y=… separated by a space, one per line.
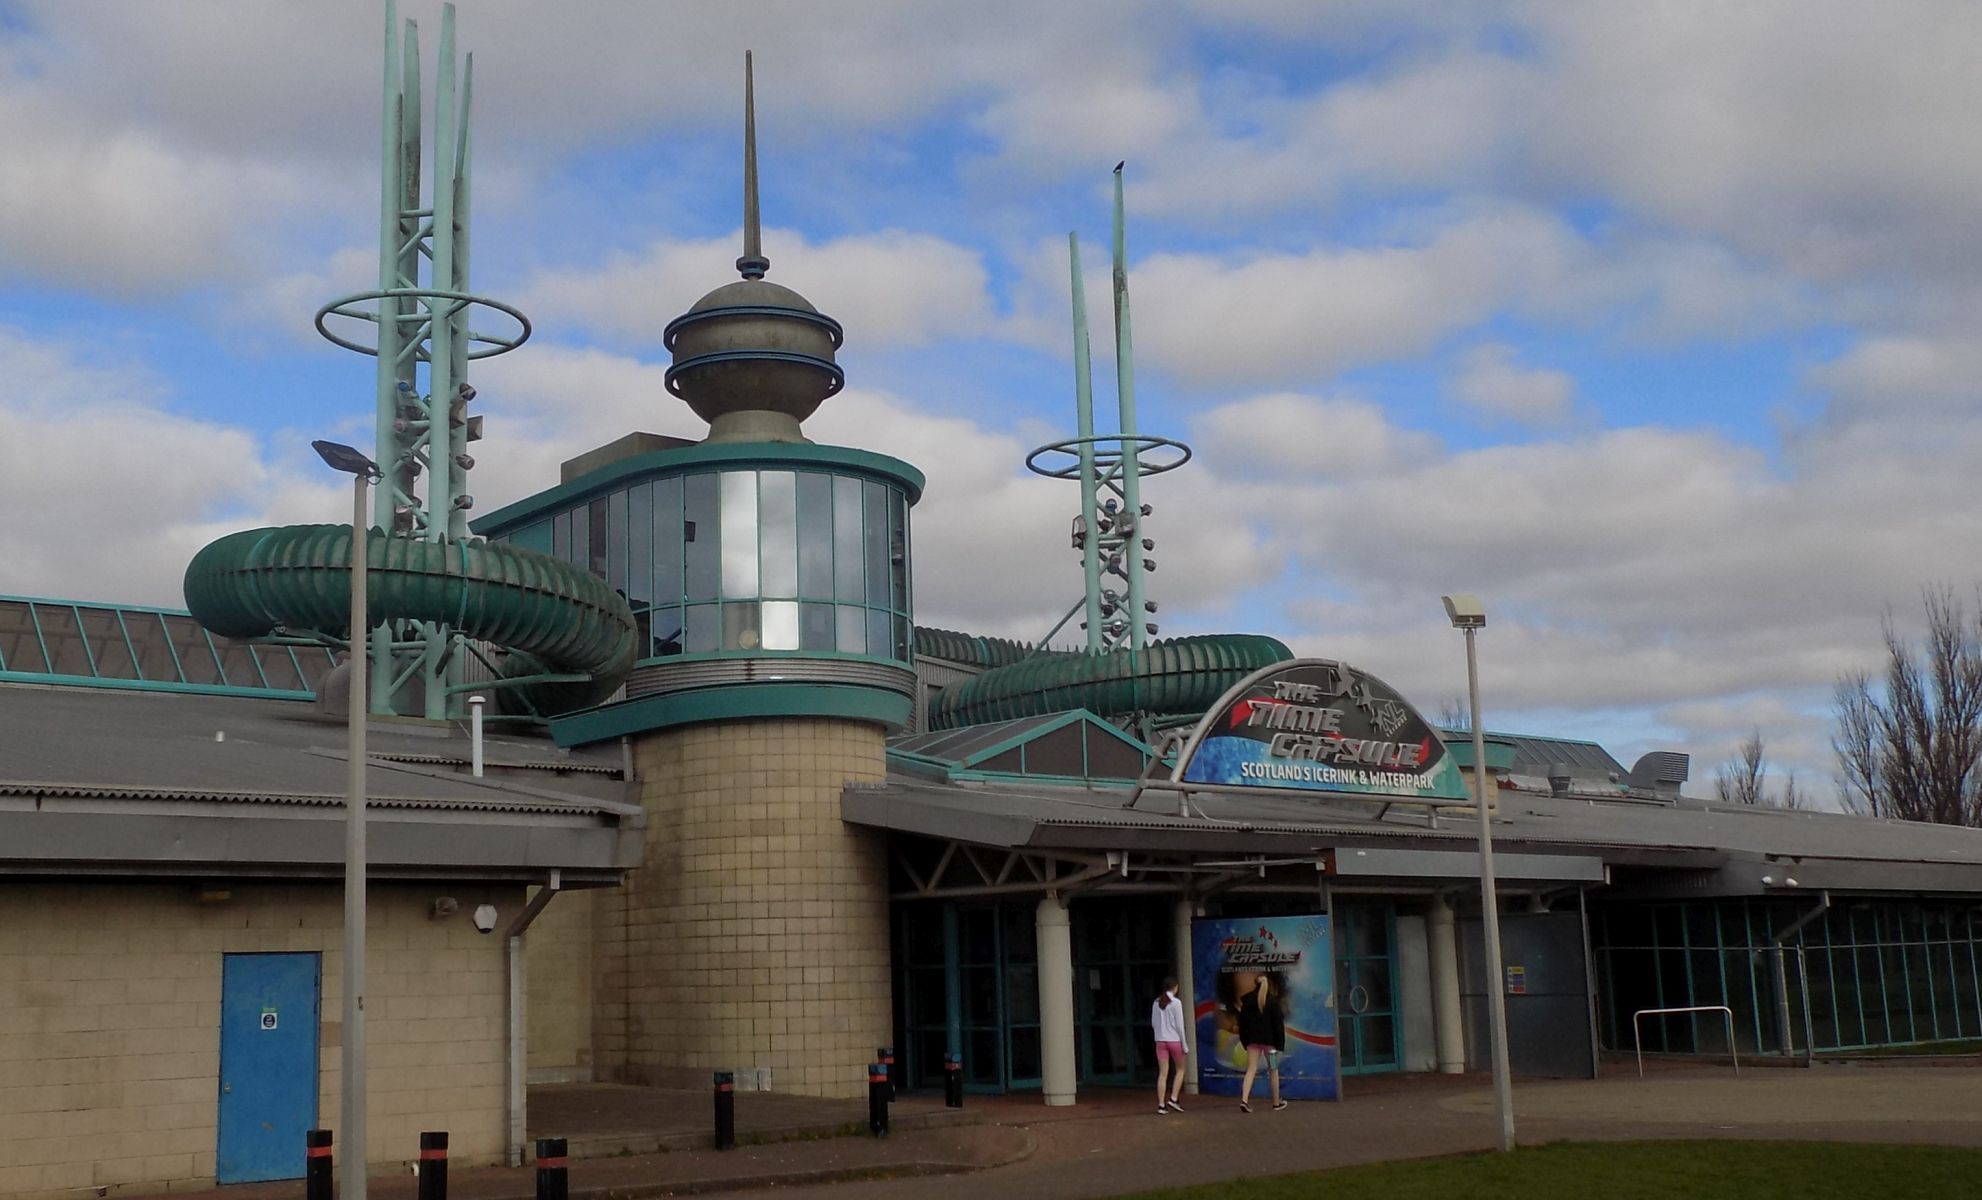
x=1320 y=726
x=1295 y=957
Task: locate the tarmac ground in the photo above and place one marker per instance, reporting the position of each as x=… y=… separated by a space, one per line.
x=655 y=1142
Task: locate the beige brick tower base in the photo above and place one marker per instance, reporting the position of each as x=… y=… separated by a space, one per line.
x=756 y=933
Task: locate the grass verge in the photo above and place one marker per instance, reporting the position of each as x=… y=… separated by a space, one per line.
x=1697 y=1170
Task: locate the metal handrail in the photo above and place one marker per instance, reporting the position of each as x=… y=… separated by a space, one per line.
x=1638 y=1044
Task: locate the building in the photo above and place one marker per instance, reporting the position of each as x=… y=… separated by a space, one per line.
x=740 y=812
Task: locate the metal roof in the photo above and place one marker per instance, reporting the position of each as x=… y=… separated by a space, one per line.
x=962 y=744
x=1738 y=845
x=1534 y=755
x=227 y=783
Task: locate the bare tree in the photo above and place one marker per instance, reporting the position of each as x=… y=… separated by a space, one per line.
x=1791 y=796
x=1910 y=745
x=1744 y=779
x=1740 y=779
x=1453 y=714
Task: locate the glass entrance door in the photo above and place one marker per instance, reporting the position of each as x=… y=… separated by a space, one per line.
x=1365 y=988
x=1121 y=954
x=966 y=982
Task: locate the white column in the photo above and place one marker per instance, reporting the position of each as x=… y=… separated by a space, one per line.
x=1442 y=932
x=1180 y=924
x=1056 y=1000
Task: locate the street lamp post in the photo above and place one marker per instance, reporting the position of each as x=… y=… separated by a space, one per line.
x=351 y=1136
x=1469 y=616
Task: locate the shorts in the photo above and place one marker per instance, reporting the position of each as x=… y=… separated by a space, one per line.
x=1263 y=1048
x=1170 y=1052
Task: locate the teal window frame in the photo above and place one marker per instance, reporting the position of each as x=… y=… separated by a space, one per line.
x=885 y=521
x=154 y=630
x=1881 y=972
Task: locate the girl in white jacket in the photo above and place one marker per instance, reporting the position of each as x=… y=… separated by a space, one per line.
x=1166 y=1021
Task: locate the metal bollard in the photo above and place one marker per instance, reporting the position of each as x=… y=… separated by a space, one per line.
x=953 y=1081
x=316 y=1165
x=877 y=1100
x=553 y=1183
x=885 y=1055
x=725 y=1110
x=433 y=1166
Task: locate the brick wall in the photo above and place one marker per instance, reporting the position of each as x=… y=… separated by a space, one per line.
x=110 y=1013
x=756 y=933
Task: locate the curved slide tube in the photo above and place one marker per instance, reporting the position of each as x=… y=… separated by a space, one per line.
x=552 y=617
x=1173 y=676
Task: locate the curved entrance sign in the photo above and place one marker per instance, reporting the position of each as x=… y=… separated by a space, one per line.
x=1315 y=725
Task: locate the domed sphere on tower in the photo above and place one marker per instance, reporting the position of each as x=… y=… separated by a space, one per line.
x=753 y=358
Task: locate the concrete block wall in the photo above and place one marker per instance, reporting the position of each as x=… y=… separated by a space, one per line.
x=756 y=933
x=110 y=997
x=558 y=1012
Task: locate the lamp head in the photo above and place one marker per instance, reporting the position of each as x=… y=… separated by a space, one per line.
x=1465 y=611
x=343 y=458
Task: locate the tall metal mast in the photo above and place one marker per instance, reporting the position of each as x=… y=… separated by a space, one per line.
x=424 y=345
x=1109 y=532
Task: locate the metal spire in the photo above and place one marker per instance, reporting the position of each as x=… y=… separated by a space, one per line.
x=753 y=264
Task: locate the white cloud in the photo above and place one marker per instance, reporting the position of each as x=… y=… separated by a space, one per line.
x=1917 y=374
x=1294 y=317
x=1286 y=434
x=1492 y=383
x=113 y=491
x=891 y=288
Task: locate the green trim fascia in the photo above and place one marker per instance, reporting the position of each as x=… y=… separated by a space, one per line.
x=1071 y=781
x=916 y=764
x=741 y=702
x=55 y=603
x=662 y=463
x=832 y=655
x=1499 y=754
x=154 y=685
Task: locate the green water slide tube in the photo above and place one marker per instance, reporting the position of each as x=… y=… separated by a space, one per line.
x=552 y=618
x=1173 y=676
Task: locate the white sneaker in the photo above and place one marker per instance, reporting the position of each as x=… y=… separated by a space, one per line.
x=1176 y=1107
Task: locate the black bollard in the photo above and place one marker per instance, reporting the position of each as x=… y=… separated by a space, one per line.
x=552 y=1181
x=953 y=1081
x=725 y=1110
x=886 y=1057
x=316 y=1165
x=877 y=1100
x=433 y=1166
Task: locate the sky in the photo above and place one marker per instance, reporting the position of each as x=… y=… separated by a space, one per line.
x=1653 y=325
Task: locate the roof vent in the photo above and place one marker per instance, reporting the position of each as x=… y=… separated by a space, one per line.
x=1662 y=771
x=1558 y=779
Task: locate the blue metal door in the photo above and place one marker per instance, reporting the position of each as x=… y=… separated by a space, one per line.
x=268 y=1064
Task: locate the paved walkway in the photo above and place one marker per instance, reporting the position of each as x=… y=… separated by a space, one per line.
x=1113 y=1142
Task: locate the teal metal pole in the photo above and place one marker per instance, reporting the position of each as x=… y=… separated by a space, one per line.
x=386 y=438
x=441 y=489
x=457 y=433
x=444 y=317
x=1125 y=391
x=1084 y=428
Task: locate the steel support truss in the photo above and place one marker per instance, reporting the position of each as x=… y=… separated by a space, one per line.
x=422 y=339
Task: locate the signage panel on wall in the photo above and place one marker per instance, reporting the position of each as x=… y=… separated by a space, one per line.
x=1321 y=726
x=1293 y=955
